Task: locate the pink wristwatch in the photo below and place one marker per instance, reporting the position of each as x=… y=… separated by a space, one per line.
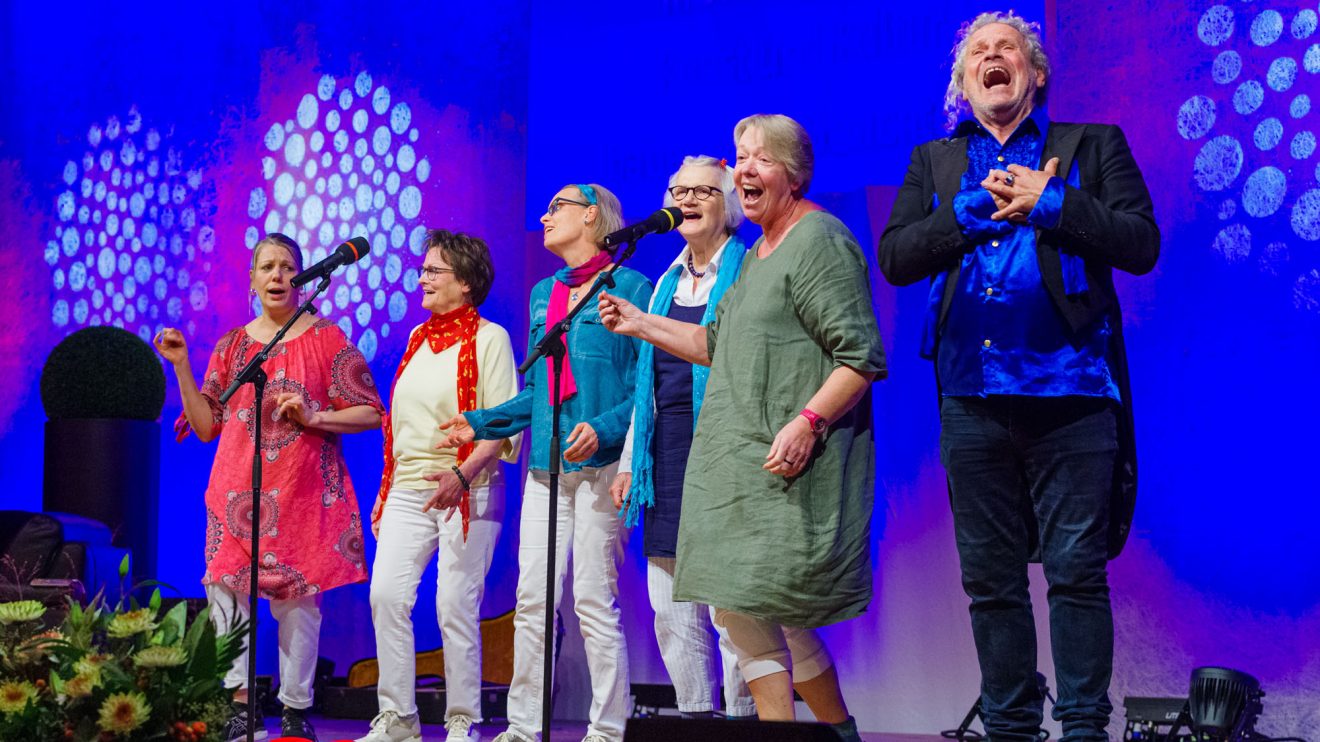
x=818 y=423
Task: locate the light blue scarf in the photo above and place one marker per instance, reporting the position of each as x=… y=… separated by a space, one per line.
x=642 y=493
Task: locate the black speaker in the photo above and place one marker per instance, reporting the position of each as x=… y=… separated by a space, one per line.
x=108 y=470
x=673 y=728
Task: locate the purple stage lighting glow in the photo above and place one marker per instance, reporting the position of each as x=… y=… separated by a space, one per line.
x=345 y=166
x=129 y=224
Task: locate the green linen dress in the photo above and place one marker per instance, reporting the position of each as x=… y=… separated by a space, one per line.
x=793 y=551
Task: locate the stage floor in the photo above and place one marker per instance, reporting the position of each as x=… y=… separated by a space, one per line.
x=334 y=730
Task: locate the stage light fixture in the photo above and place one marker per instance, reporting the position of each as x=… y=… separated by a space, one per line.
x=1224 y=704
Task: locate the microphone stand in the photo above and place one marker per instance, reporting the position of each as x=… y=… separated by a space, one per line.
x=552 y=345
x=254 y=374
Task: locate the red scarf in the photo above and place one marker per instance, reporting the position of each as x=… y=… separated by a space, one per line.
x=440 y=332
x=558 y=309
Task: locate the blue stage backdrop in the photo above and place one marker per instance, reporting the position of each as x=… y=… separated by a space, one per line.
x=145 y=150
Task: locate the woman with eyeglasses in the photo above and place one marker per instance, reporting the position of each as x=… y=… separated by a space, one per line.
x=319 y=388
x=666 y=401
x=775 y=531
x=436 y=500
x=596 y=387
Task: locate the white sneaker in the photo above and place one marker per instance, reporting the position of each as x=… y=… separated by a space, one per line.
x=461 y=730
x=595 y=738
x=389 y=726
x=510 y=736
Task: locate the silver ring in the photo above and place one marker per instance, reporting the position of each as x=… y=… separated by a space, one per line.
x=1008 y=180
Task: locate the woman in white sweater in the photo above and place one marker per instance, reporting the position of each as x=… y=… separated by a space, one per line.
x=440 y=499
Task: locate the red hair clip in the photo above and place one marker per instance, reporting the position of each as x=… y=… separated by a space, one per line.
x=724 y=162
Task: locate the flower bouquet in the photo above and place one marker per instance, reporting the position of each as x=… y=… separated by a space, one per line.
x=122 y=673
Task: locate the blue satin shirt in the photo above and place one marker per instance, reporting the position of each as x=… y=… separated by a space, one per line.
x=1003 y=334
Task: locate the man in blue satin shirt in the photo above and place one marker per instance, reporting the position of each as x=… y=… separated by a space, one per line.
x=1019 y=222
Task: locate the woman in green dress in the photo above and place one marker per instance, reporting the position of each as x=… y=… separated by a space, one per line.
x=775 y=529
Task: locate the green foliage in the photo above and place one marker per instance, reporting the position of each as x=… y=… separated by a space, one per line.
x=161 y=669
x=102 y=372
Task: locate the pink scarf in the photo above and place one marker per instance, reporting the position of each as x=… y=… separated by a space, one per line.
x=566 y=278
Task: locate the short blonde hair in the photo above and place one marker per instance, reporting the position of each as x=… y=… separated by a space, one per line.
x=787 y=143
x=733 y=213
x=609 y=213
x=280 y=240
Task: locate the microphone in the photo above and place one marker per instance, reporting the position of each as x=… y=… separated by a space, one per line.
x=349 y=252
x=661 y=221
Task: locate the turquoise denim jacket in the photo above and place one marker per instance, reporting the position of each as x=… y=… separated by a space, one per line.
x=603 y=368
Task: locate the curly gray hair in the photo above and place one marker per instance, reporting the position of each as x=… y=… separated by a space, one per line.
x=954 y=101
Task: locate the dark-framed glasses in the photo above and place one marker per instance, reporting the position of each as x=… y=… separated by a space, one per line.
x=558 y=203
x=432 y=272
x=702 y=192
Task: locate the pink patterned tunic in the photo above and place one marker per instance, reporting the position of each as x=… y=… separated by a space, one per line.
x=311 y=532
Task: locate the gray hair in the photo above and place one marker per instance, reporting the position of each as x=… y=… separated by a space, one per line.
x=609 y=213
x=733 y=213
x=954 y=101
x=787 y=143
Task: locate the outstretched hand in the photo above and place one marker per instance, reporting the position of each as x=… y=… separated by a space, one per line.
x=460 y=432
x=620 y=315
x=1017 y=190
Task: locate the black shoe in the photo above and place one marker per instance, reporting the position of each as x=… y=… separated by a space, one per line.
x=295 y=724
x=236 y=728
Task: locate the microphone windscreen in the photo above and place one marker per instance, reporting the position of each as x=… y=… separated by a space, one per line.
x=671 y=216
x=359 y=247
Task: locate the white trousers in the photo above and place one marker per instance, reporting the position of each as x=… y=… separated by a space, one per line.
x=683 y=632
x=299 y=622
x=764 y=647
x=589 y=526
x=408 y=539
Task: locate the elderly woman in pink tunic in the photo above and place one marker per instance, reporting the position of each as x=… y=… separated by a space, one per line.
x=311 y=533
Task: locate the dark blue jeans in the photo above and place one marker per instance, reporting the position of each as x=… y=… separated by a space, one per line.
x=1007 y=458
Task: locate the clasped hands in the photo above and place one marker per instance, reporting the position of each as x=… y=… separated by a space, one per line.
x=292 y=407
x=1017 y=189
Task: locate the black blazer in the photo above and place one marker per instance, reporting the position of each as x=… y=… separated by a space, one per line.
x=1108 y=221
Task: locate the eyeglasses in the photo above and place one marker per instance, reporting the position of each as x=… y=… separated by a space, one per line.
x=559 y=203
x=702 y=192
x=432 y=272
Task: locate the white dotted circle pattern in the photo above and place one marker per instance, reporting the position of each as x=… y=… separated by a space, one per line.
x=345 y=165
x=131 y=246
x=1257 y=163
